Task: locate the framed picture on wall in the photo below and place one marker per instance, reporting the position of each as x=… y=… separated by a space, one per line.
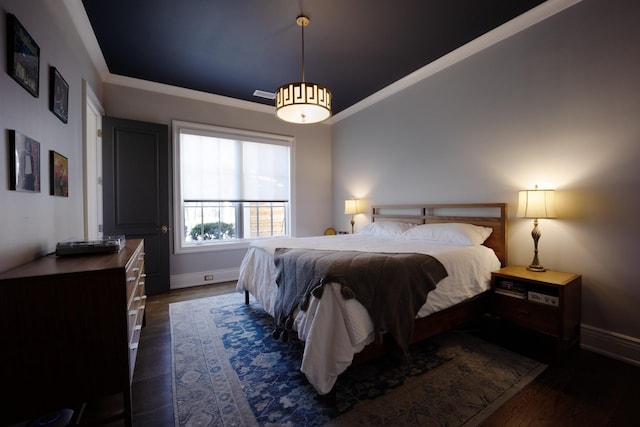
x=59 y=170
x=23 y=56
x=24 y=163
x=58 y=95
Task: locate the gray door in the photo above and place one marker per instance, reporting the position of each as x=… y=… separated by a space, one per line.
x=135 y=180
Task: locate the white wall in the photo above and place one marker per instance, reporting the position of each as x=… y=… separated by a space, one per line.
x=32 y=223
x=311 y=201
x=556 y=105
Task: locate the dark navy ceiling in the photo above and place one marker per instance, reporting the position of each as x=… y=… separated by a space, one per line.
x=233 y=47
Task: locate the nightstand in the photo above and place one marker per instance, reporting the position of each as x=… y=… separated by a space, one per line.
x=545 y=302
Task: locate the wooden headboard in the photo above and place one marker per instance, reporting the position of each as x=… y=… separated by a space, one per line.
x=492 y=215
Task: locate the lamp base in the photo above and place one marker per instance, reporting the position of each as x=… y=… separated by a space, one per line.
x=535 y=264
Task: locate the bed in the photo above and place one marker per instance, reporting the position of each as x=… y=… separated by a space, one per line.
x=468 y=240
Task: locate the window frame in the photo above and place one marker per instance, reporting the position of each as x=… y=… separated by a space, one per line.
x=178 y=208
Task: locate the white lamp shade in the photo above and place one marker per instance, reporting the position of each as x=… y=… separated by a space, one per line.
x=303 y=103
x=351 y=207
x=536 y=204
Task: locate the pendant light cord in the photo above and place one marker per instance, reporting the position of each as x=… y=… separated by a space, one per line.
x=302 y=26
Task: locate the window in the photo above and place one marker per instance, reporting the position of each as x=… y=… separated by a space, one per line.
x=230 y=186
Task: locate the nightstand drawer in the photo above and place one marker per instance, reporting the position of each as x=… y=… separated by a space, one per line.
x=540 y=317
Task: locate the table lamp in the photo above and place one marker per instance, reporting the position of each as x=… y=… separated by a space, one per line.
x=351 y=208
x=536 y=204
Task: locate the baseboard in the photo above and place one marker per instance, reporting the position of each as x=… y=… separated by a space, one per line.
x=180 y=281
x=611 y=344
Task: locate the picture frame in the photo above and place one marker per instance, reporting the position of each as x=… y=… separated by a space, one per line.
x=58 y=95
x=24 y=166
x=23 y=56
x=59 y=174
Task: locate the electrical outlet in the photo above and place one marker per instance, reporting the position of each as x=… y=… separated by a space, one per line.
x=208 y=277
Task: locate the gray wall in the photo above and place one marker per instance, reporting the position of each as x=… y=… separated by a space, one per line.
x=556 y=105
x=311 y=206
x=32 y=223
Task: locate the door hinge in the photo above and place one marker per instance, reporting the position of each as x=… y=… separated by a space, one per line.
x=100 y=228
x=99 y=180
x=99 y=133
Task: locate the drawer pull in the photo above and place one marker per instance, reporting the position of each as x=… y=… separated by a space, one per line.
x=133 y=346
x=137 y=327
x=133 y=313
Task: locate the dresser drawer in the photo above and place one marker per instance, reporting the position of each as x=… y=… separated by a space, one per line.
x=134 y=317
x=543 y=318
x=135 y=273
x=136 y=304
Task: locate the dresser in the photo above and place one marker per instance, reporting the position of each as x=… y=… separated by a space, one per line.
x=70 y=328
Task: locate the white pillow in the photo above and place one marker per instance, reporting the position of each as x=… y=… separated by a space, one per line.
x=385 y=229
x=454 y=233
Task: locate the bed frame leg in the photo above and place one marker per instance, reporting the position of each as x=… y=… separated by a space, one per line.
x=330 y=398
x=246 y=297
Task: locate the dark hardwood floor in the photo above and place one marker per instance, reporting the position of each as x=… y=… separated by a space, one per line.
x=583 y=389
x=152 y=387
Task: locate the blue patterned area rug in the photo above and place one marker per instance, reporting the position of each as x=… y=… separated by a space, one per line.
x=229 y=371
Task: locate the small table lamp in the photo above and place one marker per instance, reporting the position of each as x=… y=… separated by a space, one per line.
x=536 y=204
x=351 y=208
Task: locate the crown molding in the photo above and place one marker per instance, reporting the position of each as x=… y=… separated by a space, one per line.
x=197 y=95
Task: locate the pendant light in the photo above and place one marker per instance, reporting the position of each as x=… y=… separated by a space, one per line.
x=303 y=102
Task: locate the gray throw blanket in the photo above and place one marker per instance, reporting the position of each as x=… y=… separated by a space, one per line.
x=392 y=287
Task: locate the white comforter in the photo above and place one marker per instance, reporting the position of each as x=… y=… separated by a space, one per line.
x=335 y=329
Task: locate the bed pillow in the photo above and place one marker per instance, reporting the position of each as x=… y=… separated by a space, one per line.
x=385 y=229
x=454 y=233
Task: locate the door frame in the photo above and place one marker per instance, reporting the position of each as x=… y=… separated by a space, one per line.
x=92 y=113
